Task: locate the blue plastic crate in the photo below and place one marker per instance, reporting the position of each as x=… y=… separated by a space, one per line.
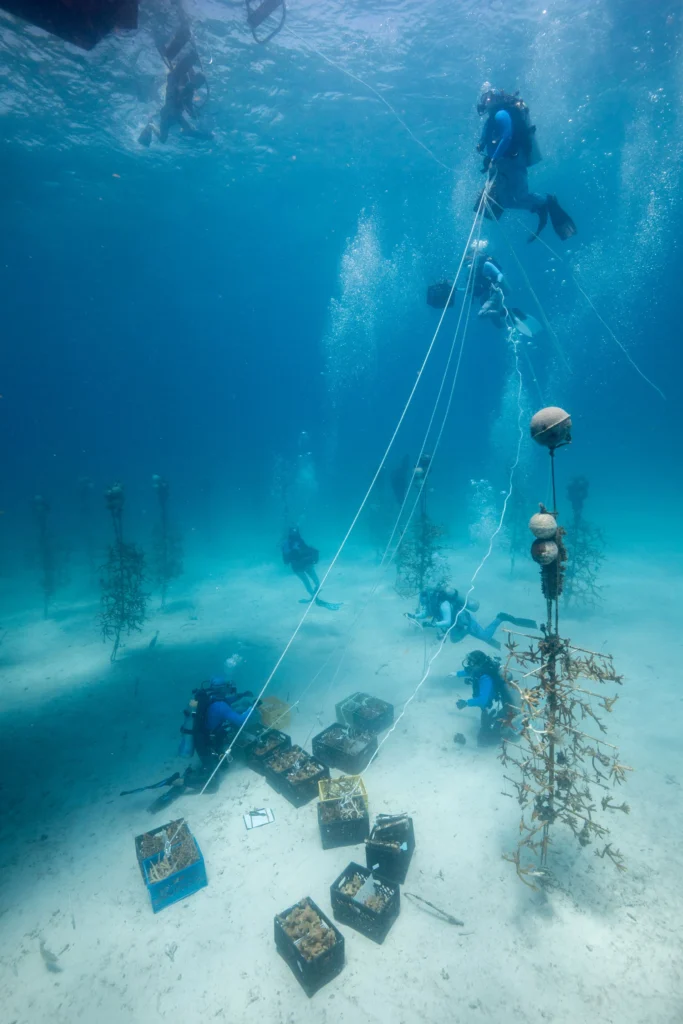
x=178 y=885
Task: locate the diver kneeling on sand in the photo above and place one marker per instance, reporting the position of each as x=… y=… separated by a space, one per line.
x=214 y=716
x=490 y=693
x=447 y=611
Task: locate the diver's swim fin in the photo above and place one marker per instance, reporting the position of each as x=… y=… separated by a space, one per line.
x=563 y=226
x=525 y=324
x=145 y=136
x=331 y=607
x=525 y=623
x=440 y=295
x=542 y=212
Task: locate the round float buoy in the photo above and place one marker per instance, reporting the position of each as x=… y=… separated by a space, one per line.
x=544 y=552
x=551 y=427
x=543 y=525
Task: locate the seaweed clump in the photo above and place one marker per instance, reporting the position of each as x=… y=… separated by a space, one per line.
x=168 y=555
x=124 y=603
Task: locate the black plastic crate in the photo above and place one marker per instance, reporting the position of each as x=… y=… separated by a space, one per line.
x=313 y=950
x=340 y=747
x=149 y=843
x=269 y=742
x=343 y=822
x=287 y=778
x=365 y=713
x=372 y=908
x=390 y=847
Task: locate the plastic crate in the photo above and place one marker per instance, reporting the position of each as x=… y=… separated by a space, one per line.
x=343 y=822
x=357 y=911
x=312 y=972
x=283 y=778
x=340 y=747
x=390 y=847
x=154 y=841
x=344 y=786
x=177 y=885
x=365 y=713
x=269 y=742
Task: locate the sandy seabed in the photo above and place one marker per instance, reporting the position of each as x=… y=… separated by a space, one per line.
x=595 y=945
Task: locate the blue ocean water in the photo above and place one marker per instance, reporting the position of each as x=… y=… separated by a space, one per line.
x=246 y=316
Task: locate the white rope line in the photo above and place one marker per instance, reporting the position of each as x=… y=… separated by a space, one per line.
x=352 y=526
x=520 y=416
x=371 y=88
x=600 y=318
x=546 y=322
x=389 y=555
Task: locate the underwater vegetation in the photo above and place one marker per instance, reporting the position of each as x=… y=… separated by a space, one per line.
x=559 y=760
x=123 y=601
x=585 y=552
x=167 y=561
x=420 y=562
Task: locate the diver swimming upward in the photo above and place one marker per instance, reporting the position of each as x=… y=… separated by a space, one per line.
x=508 y=142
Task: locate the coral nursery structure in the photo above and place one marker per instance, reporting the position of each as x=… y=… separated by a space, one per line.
x=556 y=741
x=168 y=561
x=585 y=552
x=124 y=602
x=419 y=560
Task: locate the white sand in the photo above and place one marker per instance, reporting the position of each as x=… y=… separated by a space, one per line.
x=599 y=946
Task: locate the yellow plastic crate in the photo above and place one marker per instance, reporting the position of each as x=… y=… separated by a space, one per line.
x=337 y=789
x=275 y=713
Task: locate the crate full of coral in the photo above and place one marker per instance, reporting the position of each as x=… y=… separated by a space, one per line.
x=365 y=902
x=308 y=941
x=171 y=862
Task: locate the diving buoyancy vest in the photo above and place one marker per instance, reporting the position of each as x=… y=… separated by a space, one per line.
x=523 y=132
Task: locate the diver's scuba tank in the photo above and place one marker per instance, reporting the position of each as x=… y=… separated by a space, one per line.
x=186 y=745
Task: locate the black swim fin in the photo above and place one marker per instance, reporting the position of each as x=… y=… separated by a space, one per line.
x=526 y=623
x=563 y=226
x=542 y=212
x=145 y=136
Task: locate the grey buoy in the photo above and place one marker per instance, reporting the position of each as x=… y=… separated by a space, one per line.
x=544 y=552
x=543 y=525
x=551 y=427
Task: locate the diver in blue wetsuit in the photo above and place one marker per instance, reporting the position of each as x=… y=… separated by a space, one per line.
x=491 y=695
x=508 y=142
x=447 y=611
x=488 y=285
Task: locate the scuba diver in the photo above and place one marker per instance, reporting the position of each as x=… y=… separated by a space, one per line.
x=440 y=607
x=490 y=693
x=508 y=142
x=212 y=719
x=490 y=287
x=303 y=559
x=187 y=90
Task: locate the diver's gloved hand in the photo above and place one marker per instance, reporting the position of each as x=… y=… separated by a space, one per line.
x=460 y=704
x=411 y=615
